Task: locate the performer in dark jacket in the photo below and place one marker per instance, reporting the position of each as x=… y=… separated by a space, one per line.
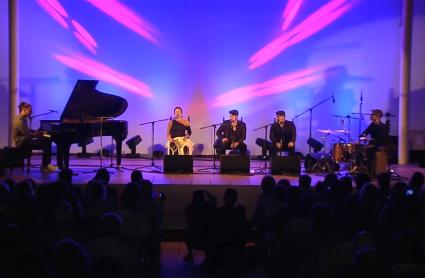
x=377 y=130
x=231 y=135
x=379 y=133
x=282 y=134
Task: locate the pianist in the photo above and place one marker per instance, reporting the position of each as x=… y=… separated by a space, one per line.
x=26 y=138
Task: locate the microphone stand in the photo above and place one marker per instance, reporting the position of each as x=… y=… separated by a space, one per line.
x=152 y=123
x=39 y=115
x=311 y=114
x=265 y=168
x=214 y=166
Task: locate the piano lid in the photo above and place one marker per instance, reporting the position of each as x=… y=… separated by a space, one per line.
x=87 y=102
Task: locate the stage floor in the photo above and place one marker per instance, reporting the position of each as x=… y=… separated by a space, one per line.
x=203 y=174
x=178 y=188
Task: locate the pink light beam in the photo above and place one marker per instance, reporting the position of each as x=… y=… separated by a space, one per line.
x=291 y=10
x=55 y=10
x=280 y=84
x=103 y=72
x=126 y=17
x=84 y=37
x=311 y=25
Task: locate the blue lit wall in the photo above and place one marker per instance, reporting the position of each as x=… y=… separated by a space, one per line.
x=203 y=52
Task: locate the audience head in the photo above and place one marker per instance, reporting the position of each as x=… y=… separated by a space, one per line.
x=268 y=183
x=95 y=191
x=330 y=180
x=230 y=197
x=146 y=189
x=369 y=195
x=384 y=180
x=71 y=260
x=360 y=179
x=304 y=182
x=25 y=188
x=65 y=175
x=417 y=180
x=284 y=182
x=198 y=197
x=136 y=176
x=347 y=184
x=111 y=225
x=102 y=174
x=130 y=196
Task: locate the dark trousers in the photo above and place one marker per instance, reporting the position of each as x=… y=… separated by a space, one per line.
x=222 y=147
x=43 y=144
x=271 y=148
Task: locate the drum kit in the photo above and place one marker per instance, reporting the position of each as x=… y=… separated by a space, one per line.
x=345 y=154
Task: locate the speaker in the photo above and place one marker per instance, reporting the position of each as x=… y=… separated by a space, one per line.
x=282 y=165
x=234 y=163
x=178 y=164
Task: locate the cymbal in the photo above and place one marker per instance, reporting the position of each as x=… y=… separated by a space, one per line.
x=326 y=131
x=343 y=131
x=365 y=139
x=346 y=117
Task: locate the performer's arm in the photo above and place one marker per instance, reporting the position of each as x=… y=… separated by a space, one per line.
x=189 y=131
x=273 y=135
x=243 y=134
x=169 y=138
x=219 y=132
x=294 y=133
x=366 y=131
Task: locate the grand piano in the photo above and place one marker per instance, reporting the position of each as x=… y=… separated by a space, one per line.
x=88 y=113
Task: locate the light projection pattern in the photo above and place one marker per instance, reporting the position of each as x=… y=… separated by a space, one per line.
x=127 y=17
x=290 y=11
x=92 y=68
x=320 y=19
x=280 y=84
x=103 y=72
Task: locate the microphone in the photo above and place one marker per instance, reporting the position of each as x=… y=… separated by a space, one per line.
x=188 y=118
x=333 y=97
x=361 y=96
x=53 y=111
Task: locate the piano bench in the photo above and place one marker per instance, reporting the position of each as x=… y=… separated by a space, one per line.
x=12 y=157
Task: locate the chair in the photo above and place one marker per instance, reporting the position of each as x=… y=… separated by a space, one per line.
x=12 y=157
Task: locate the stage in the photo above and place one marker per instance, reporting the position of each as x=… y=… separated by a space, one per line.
x=178 y=188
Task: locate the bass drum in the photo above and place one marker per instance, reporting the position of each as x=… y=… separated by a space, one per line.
x=342 y=152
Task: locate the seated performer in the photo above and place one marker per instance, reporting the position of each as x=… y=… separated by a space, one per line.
x=379 y=133
x=25 y=138
x=231 y=135
x=178 y=133
x=282 y=135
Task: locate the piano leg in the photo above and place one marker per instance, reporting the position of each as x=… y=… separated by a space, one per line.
x=66 y=151
x=119 y=150
x=62 y=156
x=59 y=155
